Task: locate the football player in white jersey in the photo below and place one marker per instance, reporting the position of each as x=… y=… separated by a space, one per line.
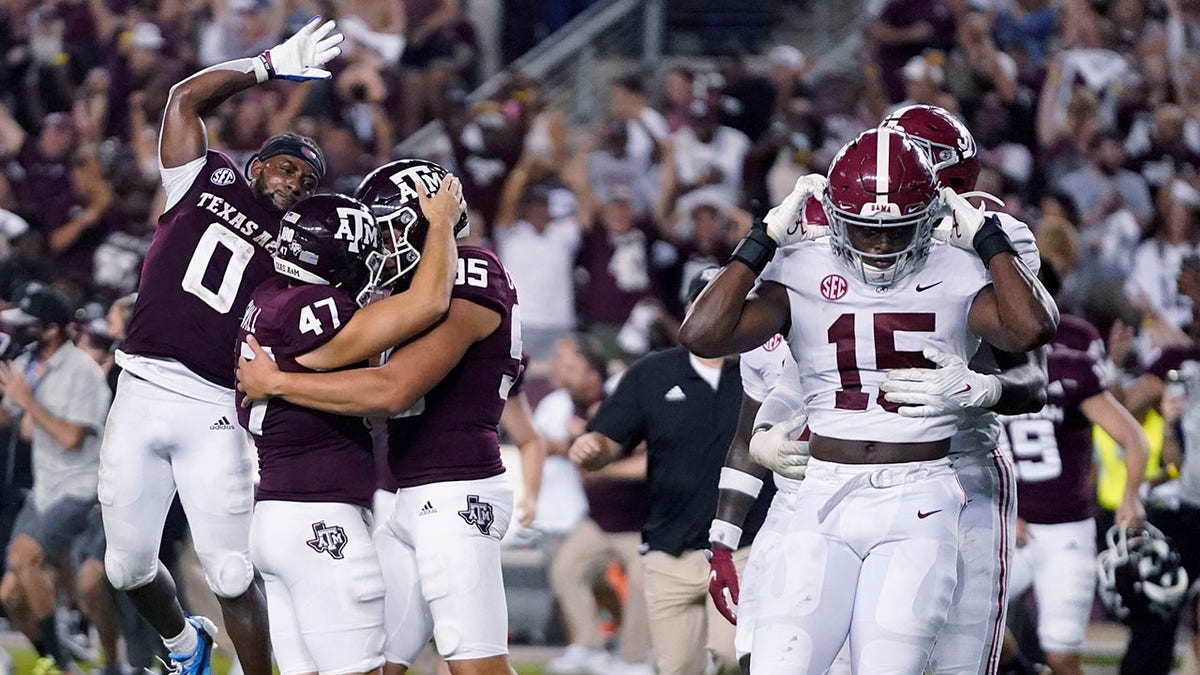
x=970 y=642
x=741 y=481
x=882 y=201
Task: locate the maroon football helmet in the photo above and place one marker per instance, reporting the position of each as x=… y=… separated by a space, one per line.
x=391 y=193
x=950 y=146
x=882 y=202
x=331 y=240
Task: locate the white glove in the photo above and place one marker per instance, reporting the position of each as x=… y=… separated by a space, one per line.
x=301 y=56
x=948 y=389
x=963 y=220
x=778 y=450
x=786 y=224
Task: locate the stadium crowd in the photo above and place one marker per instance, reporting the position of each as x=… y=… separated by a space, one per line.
x=1086 y=114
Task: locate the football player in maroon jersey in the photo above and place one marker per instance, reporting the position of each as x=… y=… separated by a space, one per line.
x=444 y=392
x=172 y=423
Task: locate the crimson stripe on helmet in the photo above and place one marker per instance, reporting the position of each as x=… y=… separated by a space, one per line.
x=883 y=165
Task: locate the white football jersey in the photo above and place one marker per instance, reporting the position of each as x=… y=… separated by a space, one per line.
x=845 y=334
x=979 y=429
x=762 y=367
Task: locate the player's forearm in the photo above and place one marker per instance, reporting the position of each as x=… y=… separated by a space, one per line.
x=785 y=402
x=1137 y=452
x=395 y=320
x=709 y=328
x=199 y=94
x=1022 y=387
x=1028 y=315
x=741 y=478
x=362 y=391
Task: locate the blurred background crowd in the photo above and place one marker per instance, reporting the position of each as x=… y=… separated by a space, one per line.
x=607 y=174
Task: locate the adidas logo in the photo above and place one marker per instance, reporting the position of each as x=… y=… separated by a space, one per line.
x=675 y=394
x=222 y=425
x=427 y=509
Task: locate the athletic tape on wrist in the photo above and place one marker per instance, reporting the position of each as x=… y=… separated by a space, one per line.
x=725 y=533
x=262 y=72
x=739 y=481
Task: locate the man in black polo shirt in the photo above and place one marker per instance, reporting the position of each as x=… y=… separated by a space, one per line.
x=685 y=408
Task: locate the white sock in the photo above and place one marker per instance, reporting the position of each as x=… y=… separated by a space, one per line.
x=184 y=643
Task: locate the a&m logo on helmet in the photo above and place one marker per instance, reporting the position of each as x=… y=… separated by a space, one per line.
x=357 y=228
x=409 y=179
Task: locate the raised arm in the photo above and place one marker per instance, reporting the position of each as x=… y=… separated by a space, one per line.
x=300 y=57
x=727 y=318
x=395 y=320
x=1015 y=313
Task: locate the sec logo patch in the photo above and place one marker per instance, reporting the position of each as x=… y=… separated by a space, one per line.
x=222 y=177
x=833 y=287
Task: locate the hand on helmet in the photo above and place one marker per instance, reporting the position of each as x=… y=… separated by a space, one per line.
x=446 y=206
x=779 y=450
x=950 y=388
x=786 y=223
x=963 y=223
x=301 y=56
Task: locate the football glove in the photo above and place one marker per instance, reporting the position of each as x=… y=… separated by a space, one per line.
x=778 y=449
x=301 y=56
x=972 y=228
x=723 y=582
x=950 y=388
x=786 y=223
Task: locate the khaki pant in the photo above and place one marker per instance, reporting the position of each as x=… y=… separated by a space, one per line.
x=580 y=559
x=683 y=620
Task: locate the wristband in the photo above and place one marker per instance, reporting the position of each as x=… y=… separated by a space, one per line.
x=756 y=249
x=991 y=240
x=739 y=481
x=725 y=533
x=263 y=69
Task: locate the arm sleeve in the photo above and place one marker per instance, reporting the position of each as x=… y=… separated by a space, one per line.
x=784 y=402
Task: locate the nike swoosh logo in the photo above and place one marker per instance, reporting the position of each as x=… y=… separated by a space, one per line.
x=962 y=391
x=922 y=289
x=925 y=514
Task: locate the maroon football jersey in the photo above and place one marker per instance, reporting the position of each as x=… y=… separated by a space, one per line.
x=1052 y=449
x=304 y=455
x=451 y=432
x=210 y=250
